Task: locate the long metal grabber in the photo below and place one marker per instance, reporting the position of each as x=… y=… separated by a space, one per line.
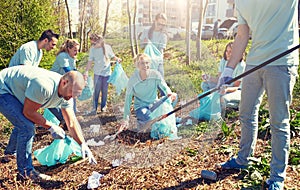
x=151 y=122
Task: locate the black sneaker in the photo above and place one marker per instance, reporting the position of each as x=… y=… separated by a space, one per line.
x=37 y=176
x=33 y=176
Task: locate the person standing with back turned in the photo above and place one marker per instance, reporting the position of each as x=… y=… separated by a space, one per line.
x=274 y=26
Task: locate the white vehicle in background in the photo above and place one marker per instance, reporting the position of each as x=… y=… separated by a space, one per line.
x=224 y=30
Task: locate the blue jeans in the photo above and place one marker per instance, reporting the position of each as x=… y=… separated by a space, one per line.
x=143 y=113
x=21 y=139
x=100 y=85
x=278 y=83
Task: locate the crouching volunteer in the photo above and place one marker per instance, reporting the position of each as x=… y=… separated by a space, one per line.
x=23 y=91
x=143 y=86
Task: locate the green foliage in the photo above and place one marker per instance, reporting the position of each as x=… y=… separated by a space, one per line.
x=22 y=21
x=227 y=130
x=294 y=157
x=258 y=170
x=191 y=152
x=295 y=122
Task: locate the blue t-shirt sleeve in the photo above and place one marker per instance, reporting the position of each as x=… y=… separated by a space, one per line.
x=26 y=56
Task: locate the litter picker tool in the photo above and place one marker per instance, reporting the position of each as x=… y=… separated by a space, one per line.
x=155 y=105
x=151 y=122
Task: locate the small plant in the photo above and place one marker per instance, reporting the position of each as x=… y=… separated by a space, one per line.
x=294 y=157
x=227 y=131
x=295 y=123
x=191 y=152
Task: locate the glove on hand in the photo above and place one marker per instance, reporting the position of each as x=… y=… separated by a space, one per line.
x=225 y=76
x=57 y=132
x=86 y=151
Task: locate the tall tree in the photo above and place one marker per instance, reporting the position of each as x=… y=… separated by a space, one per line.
x=200 y=24
x=150 y=11
x=188 y=33
x=133 y=52
x=82 y=17
x=69 y=19
x=108 y=3
x=134 y=27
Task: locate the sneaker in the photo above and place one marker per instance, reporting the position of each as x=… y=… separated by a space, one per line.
x=93 y=112
x=104 y=109
x=34 y=176
x=7 y=158
x=274 y=185
x=231 y=164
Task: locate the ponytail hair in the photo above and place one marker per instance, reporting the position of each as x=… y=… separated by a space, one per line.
x=68 y=44
x=158 y=16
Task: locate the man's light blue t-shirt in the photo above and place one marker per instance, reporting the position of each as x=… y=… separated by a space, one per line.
x=35 y=83
x=101 y=63
x=27 y=54
x=143 y=91
x=62 y=60
x=273 y=30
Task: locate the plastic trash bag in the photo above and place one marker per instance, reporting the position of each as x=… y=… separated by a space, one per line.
x=88 y=90
x=209 y=109
x=118 y=78
x=167 y=126
x=48 y=115
x=58 y=151
x=155 y=55
x=94 y=180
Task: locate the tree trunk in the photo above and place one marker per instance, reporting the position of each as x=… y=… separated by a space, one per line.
x=82 y=25
x=129 y=30
x=199 y=32
x=150 y=11
x=134 y=28
x=108 y=2
x=69 y=20
x=188 y=33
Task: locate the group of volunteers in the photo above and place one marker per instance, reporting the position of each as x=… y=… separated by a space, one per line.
x=274 y=27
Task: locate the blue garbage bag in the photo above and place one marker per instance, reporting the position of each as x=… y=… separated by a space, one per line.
x=167 y=126
x=88 y=90
x=209 y=109
x=155 y=55
x=58 y=151
x=48 y=115
x=118 y=78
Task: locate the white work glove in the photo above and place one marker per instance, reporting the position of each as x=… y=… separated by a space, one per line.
x=57 y=132
x=85 y=151
x=225 y=76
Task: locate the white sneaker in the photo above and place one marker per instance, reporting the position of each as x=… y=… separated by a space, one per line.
x=104 y=109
